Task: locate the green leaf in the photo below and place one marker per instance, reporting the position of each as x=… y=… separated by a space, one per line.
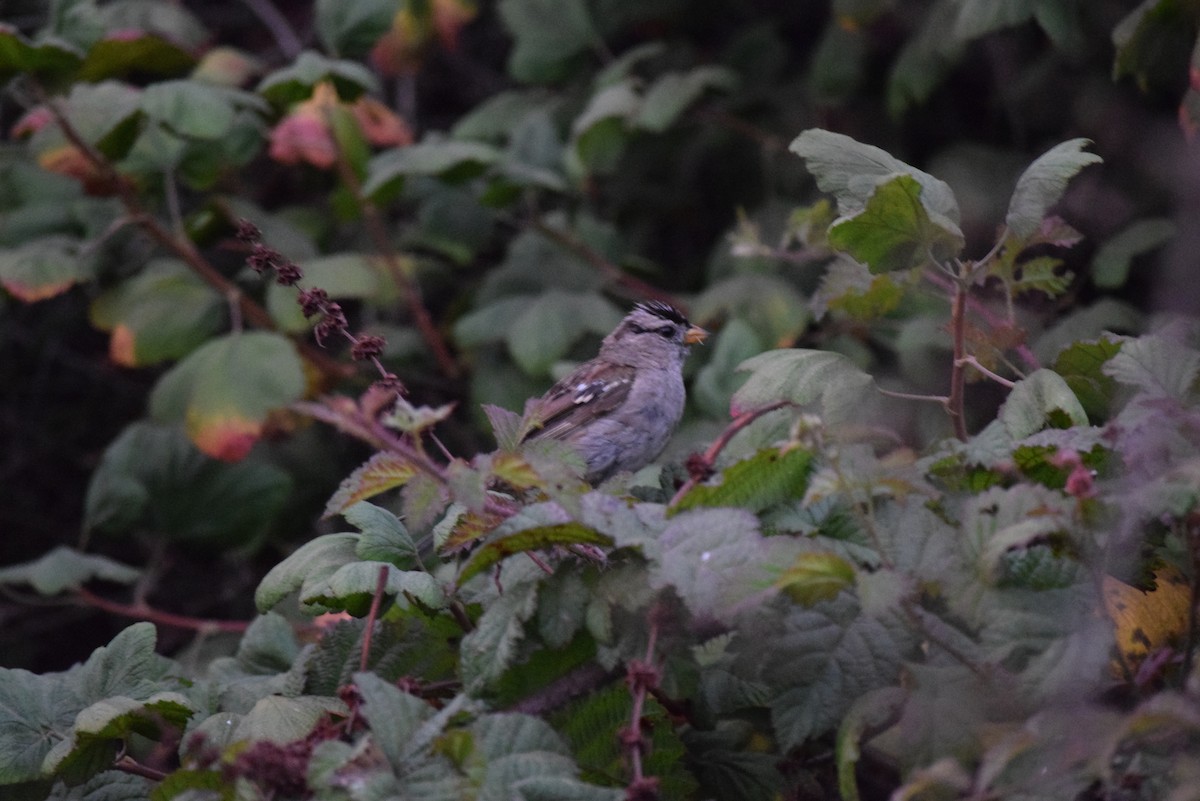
x=224 y=390
x=716 y=558
x=767 y=478
x=1082 y=366
x=1038 y=400
x=775 y=309
x=394 y=716
x=352 y=586
x=671 y=94
x=104 y=115
x=1156 y=365
x=802 y=377
x=65 y=568
x=295 y=82
x=552 y=324
x=1042 y=184
x=816 y=577
x=48 y=58
x=163 y=313
x=849 y=287
x=311 y=563
x=1111 y=264
x=384 y=537
x=451 y=160
x=350 y=30
x=894 y=231
x=190 y=108
x=43 y=268
x=530 y=539
x=547 y=35
x=850 y=171
x=153 y=480
x=283 y=720
x=490 y=648
x=1040 y=274
x=718 y=379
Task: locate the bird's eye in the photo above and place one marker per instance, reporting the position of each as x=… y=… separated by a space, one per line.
x=666 y=331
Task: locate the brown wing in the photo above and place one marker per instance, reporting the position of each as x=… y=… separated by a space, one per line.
x=592 y=391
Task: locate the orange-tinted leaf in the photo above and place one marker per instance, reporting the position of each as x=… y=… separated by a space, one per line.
x=512 y=469
x=470 y=527
x=380 y=125
x=42 y=268
x=224 y=390
x=380 y=473
x=121 y=347
x=228 y=437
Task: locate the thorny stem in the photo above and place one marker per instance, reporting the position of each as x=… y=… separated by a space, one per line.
x=639 y=679
x=409 y=289
x=1027 y=355
x=610 y=271
x=141 y=611
x=709 y=458
x=180 y=246
x=958 y=373
x=372 y=616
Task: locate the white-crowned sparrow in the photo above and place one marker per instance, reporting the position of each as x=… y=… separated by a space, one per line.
x=619 y=409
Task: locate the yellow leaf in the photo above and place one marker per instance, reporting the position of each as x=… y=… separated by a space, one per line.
x=1147 y=621
x=382 y=472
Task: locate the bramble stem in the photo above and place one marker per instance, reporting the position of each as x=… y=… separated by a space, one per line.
x=141 y=611
x=709 y=458
x=958 y=373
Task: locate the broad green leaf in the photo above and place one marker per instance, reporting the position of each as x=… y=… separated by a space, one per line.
x=531 y=539
x=1042 y=184
x=384 y=537
x=774 y=308
x=394 y=716
x=718 y=379
x=35 y=713
x=490 y=648
x=768 y=478
x=801 y=377
x=190 y=108
x=849 y=287
x=1156 y=365
x=670 y=95
x=1042 y=399
x=1105 y=317
x=714 y=559
x=1153 y=42
x=494 y=119
x=979 y=17
x=894 y=231
x=20 y=56
x=449 y=159
x=816 y=577
x=1081 y=366
x=851 y=171
x=839 y=62
x=820 y=661
x=152 y=480
x=925 y=59
x=163 y=313
x=65 y=568
x=224 y=390
x=311 y=563
x=552 y=324
x=547 y=34
x=1112 y=262
x=295 y=82
x=104 y=115
x=599 y=133
x=122 y=56
x=1041 y=274
x=43 y=268
x=283 y=720
x=350 y=30
x=382 y=472
x=352 y=586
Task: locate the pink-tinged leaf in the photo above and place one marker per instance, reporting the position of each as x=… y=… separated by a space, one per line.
x=225 y=389
x=380 y=473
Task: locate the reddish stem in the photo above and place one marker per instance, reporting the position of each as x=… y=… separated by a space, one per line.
x=958 y=371
x=709 y=458
x=372 y=616
x=141 y=611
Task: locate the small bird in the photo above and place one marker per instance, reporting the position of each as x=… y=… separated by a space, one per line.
x=619 y=409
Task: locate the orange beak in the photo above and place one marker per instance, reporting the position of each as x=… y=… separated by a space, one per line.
x=694 y=335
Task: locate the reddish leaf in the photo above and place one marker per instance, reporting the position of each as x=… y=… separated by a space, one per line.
x=380 y=473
